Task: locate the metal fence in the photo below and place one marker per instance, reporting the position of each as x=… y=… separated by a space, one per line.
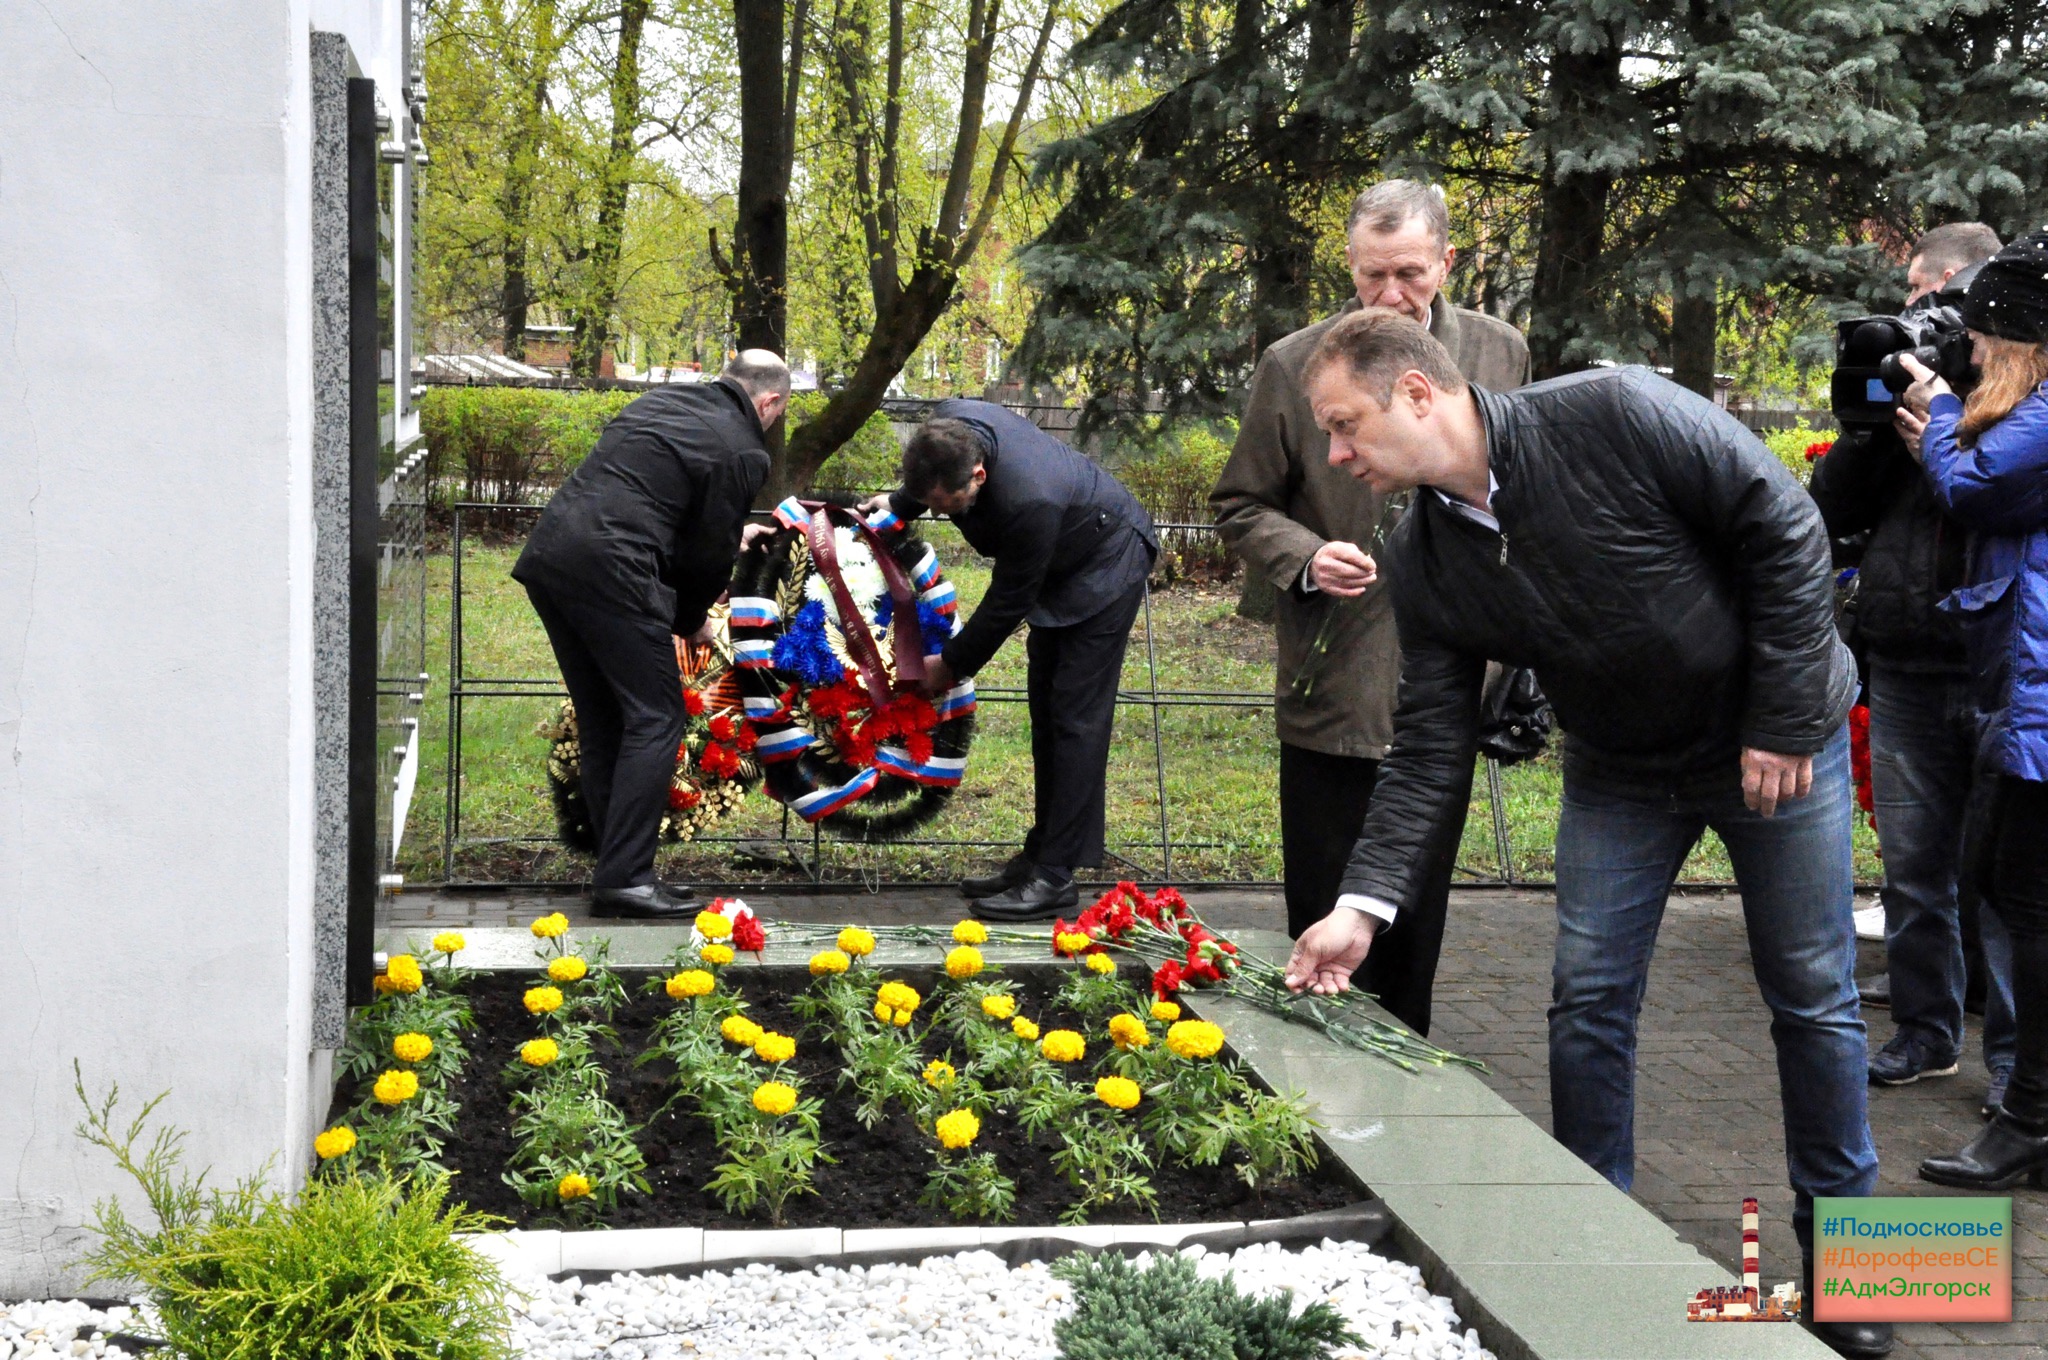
x=1152 y=859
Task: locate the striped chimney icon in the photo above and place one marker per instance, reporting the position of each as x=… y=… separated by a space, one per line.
x=1751 y=1276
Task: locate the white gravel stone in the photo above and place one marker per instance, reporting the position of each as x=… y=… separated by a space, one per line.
x=965 y=1307
x=59 y=1329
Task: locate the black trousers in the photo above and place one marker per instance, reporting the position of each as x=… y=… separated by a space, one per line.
x=1323 y=799
x=2012 y=863
x=1070 y=684
x=622 y=676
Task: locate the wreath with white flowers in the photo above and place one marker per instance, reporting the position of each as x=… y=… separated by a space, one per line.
x=833 y=620
x=715 y=764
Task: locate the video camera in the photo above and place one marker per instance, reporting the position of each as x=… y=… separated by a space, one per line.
x=1868 y=375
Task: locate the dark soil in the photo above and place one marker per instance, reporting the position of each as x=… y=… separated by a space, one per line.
x=879 y=1172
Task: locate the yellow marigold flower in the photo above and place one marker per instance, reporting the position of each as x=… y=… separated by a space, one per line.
x=775 y=1098
x=1119 y=1093
x=338 y=1141
x=898 y=996
x=1063 y=1046
x=1001 y=1006
x=963 y=963
x=1070 y=942
x=568 y=968
x=691 y=982
x=575 y=1185
x=1195 y=1039
x=551 y=926
x=539 y=1052
x=774 y=1048
x=829 y=961
x=541 y=1000
x=740 y=1030
x=1102 y=965
x=957 y=1128
x=1165 y=1011
x=448 y=942
x=1024 y=1029
x=970 y=932
x=717 y=955
x=938 y=1074
x=411 y=1048
x=403 y=973
x=381 y=984
x=1128 y=1031
x=397 y=1086
x=713 y=925
x=889 y=1015
x=857 y=942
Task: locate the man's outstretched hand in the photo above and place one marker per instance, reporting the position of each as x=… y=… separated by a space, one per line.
x=1769 y=779
x=1329 y=951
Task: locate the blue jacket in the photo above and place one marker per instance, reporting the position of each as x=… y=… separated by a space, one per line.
x=1999 y=489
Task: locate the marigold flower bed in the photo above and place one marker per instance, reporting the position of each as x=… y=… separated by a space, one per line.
x=878 y=1173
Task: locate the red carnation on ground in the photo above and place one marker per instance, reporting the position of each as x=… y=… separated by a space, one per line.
x=747 y=933
x=1166 y=980
x=1169 y=902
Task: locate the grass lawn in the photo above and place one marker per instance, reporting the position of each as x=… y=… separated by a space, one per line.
x=1217 y=764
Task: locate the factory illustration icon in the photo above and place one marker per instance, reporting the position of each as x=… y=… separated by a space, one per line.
x=1745 y=1302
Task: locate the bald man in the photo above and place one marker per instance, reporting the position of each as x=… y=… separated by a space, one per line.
x=635 y=547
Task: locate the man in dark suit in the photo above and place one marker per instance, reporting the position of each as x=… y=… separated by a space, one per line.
x=636 y=547
x=1072 y=549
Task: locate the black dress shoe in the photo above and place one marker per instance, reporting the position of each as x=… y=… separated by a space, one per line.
x=1876 y=991
x=1015 y=871
x=647 y=902
x=1037 y=898
x=2000 y=1157
x=1861 y=1340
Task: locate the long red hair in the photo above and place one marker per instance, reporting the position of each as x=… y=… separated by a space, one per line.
x=2012 y=369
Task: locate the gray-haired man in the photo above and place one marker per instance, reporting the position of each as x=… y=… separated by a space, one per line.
x=1308 y=528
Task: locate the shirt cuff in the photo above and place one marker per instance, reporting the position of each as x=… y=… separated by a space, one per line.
x=1308 y=577
x=1371 y=906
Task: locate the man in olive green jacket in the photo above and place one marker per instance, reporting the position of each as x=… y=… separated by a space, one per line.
x=1311 y=531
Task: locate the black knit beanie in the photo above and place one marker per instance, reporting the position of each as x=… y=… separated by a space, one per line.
x=2009 y=296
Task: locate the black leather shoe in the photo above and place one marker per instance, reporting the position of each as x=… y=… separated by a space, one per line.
x=647 y=902
x=1037 y=898
x=1861 y=1340
x=2000 y=1157
x=1015 y=871
x=1875 y=991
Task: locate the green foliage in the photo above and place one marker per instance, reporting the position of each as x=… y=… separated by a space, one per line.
x=1167 y=1312
x=769 y=1159
x=1102 y=1156
x=506 y=443
x=1791 y=447
x=1172 y=473
x=350 y=1269
x=970 y=1187
x=870 y=461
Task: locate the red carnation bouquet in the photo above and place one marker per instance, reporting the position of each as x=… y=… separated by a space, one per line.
x=1182 y=951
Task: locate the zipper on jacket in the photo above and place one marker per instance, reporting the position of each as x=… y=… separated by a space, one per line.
x=1503 y=550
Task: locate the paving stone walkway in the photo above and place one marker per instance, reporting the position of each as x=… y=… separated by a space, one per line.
x=1708 y=1123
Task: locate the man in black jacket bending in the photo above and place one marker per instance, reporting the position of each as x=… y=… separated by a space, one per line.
x=1669 y=584
x=630 y=554
x=1072 y=549
x=1923 y=728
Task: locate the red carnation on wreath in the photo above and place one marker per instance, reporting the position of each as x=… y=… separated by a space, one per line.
x=1815 y=452
x=682 y=799
x=693 y=702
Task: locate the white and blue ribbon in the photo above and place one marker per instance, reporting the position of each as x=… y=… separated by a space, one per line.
x=940 y=597
x=884 y=521
x=926 y=572
x=757 y=654
x=939 y=771
x=813 y=807
x=761 y=708
x=791 y=514
x=956 y=701
x=752 y=611
x=787 y=744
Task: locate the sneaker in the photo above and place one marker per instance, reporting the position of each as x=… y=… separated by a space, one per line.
x=2001 y=1077
x=1870 y=923
x=1907 y=1058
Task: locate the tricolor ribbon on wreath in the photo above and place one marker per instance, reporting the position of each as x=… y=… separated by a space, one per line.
x=883 y=722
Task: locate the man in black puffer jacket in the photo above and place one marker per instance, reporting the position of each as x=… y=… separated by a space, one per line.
x=1923 y=729
x=1668 y=582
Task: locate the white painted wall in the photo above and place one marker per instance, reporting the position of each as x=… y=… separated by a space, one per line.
x=155 y=590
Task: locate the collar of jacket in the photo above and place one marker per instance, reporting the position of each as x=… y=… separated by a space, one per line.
x=1497 y=418
x=1443 y=320
x=746 y=403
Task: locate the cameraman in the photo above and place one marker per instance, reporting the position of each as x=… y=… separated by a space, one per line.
x=1922 y=729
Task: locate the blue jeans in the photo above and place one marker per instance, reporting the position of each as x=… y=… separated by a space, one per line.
x=1617 y=858
x=1923 y=745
